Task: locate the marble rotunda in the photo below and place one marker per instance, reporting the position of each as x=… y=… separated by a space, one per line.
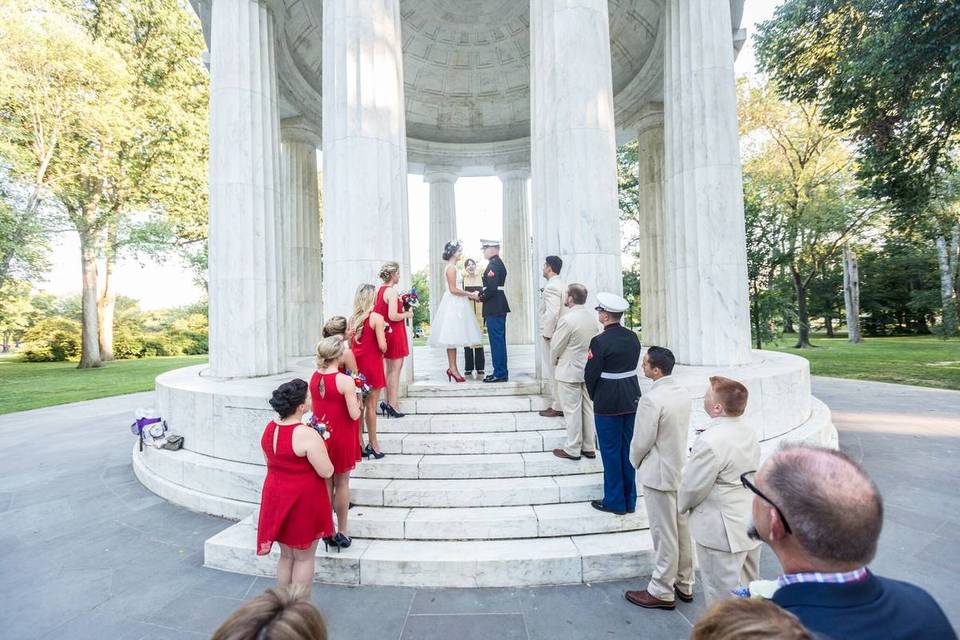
x=538 y=93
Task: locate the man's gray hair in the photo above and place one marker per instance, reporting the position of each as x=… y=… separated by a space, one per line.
x=833 y=507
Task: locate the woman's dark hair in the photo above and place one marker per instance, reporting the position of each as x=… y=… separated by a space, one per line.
x=279 y=613
x=288 y=396
x=470 y=261
x=450 y=249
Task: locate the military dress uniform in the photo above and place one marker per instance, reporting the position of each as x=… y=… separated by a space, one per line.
x=495 y=310
x=611 y=379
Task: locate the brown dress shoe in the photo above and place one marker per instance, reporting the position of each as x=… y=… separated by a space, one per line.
x=551 y=413
x=686 y=597
x=560 y=453
x=647 y=601
x=589 y=454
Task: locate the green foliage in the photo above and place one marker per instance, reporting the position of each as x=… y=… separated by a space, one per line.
x=52 y=340
x=421 y=314
x=887 y=71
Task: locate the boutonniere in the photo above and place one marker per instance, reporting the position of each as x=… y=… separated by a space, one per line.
x=317 y=425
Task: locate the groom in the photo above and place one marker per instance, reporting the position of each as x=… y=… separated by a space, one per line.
x=495 y=309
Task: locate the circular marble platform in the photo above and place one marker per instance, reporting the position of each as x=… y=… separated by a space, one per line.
x=470 y=470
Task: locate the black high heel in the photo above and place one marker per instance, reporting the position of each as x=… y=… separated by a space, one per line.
x=389 y=411
x=331 y=542
x=370 y=451
x=342 y=541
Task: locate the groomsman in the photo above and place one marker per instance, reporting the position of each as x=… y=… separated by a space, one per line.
x=495 y=309
x=720 y=506
x=658 y=450
x=551 y=308
x=611 y=379
x=568 y=351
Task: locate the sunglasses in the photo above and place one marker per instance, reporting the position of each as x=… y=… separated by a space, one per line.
x=752 y=487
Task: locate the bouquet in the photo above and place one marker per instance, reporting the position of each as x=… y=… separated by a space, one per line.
x=360 y=381
x=317 y=425
x=410 y=299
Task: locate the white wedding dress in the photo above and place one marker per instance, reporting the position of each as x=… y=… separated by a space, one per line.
x=455 y=325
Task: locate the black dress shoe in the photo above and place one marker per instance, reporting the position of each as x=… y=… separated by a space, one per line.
x=598 y=505
x=686 y=597
x=495 y=379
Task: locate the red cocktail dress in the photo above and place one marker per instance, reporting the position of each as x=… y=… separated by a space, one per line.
x=368 y=356
x=397 y=346
x=343 y=446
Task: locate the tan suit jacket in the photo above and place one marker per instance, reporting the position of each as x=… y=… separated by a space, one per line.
x=719 y=504
x=659 y=446
x=551 y=305
x=571 y=341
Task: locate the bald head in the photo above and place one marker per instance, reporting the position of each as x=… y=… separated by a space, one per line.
x=833 y=507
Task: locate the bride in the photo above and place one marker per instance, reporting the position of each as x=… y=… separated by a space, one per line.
x=455 y=324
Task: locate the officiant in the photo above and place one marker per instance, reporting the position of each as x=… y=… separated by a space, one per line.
x=495 y=309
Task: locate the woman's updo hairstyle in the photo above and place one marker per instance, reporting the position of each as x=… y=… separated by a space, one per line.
x=450 y=249
x=388 y=270
x=288 y=396
x=279 y=613
x=335 y=326
x=328 y=350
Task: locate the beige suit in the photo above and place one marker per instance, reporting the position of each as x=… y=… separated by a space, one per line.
x=568 y=353
x=658 y=450
x=551 y=308
x=720 y=506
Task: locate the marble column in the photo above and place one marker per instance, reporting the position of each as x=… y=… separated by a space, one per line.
x=708 y=321
x=364 y=148
x=443 y=225
x=516 y=253
x=246 y=274
x=573 y=148
x=301 y=250
x=653 y=308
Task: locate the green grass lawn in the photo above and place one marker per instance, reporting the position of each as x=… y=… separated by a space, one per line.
x=29 y=385
x=926 y=361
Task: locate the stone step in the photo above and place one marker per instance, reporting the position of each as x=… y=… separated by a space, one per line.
x=488 y=523
x=480 y=404
x=473 y=388
x=471 y=443
x=462 y=563
x=501 y=492
x=484 y=465
x=465 y=423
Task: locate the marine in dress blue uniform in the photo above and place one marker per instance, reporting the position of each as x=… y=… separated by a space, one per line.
x=495 y=310
x=611 y=379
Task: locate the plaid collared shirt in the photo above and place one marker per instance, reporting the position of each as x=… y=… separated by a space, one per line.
x=835 y=578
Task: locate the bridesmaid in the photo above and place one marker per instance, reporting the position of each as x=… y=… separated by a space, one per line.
x=335 y=402
x=369 y=342
x=294 y=503
x=389 y=306
x=337 y=326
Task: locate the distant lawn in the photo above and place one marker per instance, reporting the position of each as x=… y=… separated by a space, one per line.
x=30 y=385
x=925 y=361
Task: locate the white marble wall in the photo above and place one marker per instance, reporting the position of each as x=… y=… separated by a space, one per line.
x=653 y=308
x=573 y=148
x=442 y=224
x=301 y=248
x=706 y=269
x=364 y=147
x=246 y=272
x=516 y=253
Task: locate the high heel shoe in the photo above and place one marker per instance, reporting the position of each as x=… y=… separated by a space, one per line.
x=342 y=541
x=387 y=410
x=370 y=451
x=452 y=376
x=331 y=542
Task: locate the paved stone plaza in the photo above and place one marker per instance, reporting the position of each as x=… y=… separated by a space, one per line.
x=87 y=552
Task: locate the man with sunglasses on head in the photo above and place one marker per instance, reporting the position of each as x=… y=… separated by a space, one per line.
x=712 y=493
x=821 y=514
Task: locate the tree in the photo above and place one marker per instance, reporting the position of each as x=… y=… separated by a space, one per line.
x=24 y=231
x=16 y=312
x=420 y=282
x=885 y=71
x=801 y=177
x=851 y=295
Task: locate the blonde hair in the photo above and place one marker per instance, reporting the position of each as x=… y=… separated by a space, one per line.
x=748 y=619
x=328 y=350
x=388 y=270
x=335 y=326
x=363 y=301
x=279 y=613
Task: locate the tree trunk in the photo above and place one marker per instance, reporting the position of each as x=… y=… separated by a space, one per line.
x=828 y=324
x=948 y=293
x=108 y=299
x=755 y=307
x=90 y=342
x=851 y=295
x=803 y=315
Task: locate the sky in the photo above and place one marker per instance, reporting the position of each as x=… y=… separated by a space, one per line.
x=170 y=283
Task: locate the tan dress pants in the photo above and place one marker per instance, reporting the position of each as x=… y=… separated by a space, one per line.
x=672 y=546
x=723 y=571
x=577 y=410
x=547 y=373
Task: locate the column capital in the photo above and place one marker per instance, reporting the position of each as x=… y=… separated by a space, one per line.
x=433 y=174
x=651 y=117
x=513 y=171
x=299 y=129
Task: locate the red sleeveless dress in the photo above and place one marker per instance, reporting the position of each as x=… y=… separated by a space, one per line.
x=294 y=503
x=368 y=356
x=331 y=408
x=397 y=346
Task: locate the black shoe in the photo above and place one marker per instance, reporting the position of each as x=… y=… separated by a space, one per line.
x=370 y=451
x=492 y=378
x=387 y=410
x=598 y=505
x=686 y=597
x=331 y=542
x=343 y=542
